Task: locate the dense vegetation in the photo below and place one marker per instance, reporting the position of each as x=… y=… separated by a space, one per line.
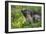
x=17 y=18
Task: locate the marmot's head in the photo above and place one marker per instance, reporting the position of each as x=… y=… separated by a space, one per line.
x=27 y=12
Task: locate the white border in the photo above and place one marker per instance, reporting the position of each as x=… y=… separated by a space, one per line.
x=24 y=29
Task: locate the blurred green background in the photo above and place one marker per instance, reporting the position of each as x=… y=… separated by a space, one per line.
x=17 y=18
